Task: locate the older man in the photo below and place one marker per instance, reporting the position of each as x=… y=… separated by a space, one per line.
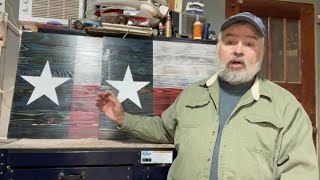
x=232 y=126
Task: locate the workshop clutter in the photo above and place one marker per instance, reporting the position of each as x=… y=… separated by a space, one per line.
x=127 y=16
x=138 y=17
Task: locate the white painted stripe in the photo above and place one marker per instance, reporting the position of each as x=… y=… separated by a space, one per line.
x=178 y=64
x=88 y=61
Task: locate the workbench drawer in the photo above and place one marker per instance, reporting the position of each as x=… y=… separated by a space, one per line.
x=114 y=164
x=72 y=173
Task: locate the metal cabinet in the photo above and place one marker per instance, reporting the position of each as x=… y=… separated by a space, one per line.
x=113 y=164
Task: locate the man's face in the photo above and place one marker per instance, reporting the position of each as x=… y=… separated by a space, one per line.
x=240 y=52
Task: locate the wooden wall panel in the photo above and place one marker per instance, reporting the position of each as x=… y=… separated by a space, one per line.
x=92 y=65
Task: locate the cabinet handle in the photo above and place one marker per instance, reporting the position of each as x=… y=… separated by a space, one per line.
x=61 y=176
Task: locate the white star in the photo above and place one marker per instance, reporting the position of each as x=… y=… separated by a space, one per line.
x=44 y=84
x=128 y=89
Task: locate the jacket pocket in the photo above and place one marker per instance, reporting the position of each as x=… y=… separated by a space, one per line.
x=261 y=134
x=194 y=113
x=264 y=121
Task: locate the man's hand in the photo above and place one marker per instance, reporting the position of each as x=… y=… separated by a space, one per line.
x=112 y=108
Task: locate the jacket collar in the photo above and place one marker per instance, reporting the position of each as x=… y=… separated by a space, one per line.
x=256 y=89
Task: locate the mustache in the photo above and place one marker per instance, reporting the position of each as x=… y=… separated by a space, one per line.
x=236 y=60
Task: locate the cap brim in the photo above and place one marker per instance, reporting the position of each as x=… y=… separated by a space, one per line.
x=236 y=19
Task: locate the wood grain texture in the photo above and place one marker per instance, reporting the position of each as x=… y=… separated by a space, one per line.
x=163 y=98
x=89 y=63
x=43 y=118
x=86 y=84
x=88 y=143
x=177 y=65
x=118 y=54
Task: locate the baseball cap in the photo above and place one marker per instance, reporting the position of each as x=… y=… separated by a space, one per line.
x=246 y=17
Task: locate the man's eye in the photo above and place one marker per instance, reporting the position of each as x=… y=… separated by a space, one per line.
x=249 y=44
x=230 y=43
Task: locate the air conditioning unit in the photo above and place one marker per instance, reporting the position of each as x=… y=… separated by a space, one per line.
x=50 y=10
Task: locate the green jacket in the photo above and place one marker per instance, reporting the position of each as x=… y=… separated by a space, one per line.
x=268 y=136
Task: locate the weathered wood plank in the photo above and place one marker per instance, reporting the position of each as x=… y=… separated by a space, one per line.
x=90 y=63
x=90 y=143
x=68 y=56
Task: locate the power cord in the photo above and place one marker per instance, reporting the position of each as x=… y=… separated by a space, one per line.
x=15 y=27
x=3 y=99
x=14 y=17
x=4 y=91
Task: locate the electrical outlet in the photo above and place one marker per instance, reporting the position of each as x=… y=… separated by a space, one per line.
x=2 y=5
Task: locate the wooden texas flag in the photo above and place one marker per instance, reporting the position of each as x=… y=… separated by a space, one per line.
x=59 y=76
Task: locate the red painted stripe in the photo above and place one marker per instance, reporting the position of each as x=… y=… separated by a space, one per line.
x=84 y=115
x=163 y=98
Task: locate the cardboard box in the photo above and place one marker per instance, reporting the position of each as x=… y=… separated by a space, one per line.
x=175 y=5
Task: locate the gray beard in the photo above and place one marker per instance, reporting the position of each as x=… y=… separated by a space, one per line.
x=234 y=76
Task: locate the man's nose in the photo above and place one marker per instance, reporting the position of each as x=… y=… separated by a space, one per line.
x=238 y=49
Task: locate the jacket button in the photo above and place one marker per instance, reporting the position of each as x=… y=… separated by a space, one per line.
x=208 y=159
x=213 y=132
